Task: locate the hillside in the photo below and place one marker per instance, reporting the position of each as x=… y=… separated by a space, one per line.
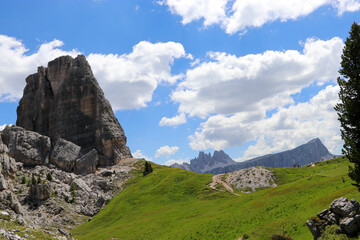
x=176 y=204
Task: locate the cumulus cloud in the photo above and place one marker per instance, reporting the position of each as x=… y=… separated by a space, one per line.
x=237 y=15
x=139 y=154
x=233 y=95
x=128 y=80
x=174 y=121
x=253 y=84
x=213 y=11
x=178 y=161
x=346 y=6
x=287 y=128
x=166 y=151
x=16 y=65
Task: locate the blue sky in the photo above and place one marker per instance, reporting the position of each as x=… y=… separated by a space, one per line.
x=251 y=77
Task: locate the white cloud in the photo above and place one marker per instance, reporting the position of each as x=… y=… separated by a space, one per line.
x=178 y=161
x=128 y=80
x=166 y=151
x=288 y=128
x=174 y=121
x=254 y=84
x=213 y=11
x=346 y=6
x=233 y=95
x=139 y=154
x=16 y=65
x=237 y=15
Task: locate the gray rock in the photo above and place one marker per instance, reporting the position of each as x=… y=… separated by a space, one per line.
x=106 y=173
x=64 y=155
x=315 y=227
x=65 y=100
x=27 y=147
x=9 y=200
x=344 y=207
x=40 y=192
x=323 y=213
x=87 y=163
x=3 y=183
x=81 y=185
x=349 y=226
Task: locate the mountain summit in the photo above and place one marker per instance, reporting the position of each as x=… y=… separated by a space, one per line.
x=205 y=162
x=64 y=100
x=310 y=152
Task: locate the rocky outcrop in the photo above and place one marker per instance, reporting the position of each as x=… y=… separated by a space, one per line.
x=40 y=192
x=64 y=100
x=342 y=212
x=87 y=163
x=64 y=155
x=250 y=179
x=32 y=148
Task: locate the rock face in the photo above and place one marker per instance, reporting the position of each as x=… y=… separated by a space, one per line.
x=342 y=212
x=311 y=152
x=65 y=101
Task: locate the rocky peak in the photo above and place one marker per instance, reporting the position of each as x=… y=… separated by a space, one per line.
x=206 y=162
x=64 y=100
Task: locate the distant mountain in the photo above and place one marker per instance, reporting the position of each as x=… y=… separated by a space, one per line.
x=205 y=162
x=310 y=152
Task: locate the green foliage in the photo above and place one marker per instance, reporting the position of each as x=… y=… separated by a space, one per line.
x=349 y=108
x=175 y=204
x=49 y=177
x=23 y=180
x=73 y=193
x=39 y=179
x=330 y=234
x=33 y=180
x=148 y=168
x=280 y=237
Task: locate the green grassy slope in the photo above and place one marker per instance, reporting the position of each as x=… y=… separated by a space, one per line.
x=175 y=204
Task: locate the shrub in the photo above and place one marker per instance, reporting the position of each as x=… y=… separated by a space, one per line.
x=23 y=180
x=49 y=177
x=33 y=180
x=148 y=168
x=280 y=237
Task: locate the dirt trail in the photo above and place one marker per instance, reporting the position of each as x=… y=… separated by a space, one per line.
x=216 y=179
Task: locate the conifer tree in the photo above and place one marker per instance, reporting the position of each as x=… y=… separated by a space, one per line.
x=349 y=107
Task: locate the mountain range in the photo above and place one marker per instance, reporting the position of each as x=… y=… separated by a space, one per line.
x=310 y=152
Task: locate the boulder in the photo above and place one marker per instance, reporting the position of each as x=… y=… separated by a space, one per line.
x=27 y=147
x=7 y=166
x=349 y=226
x=316 y=227
x=9 y=200
x=344 y=207
x=64 y=155
x=87 y=163
x=65 y=101
x=3 y=183
x=81 y=185
x=40 y=192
